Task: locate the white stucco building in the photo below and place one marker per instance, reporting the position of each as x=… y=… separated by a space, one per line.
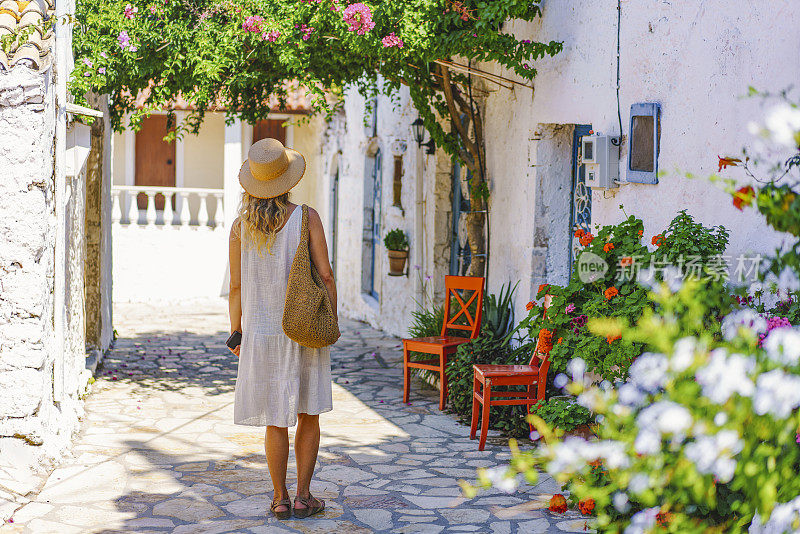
x=178 y=248
x=55 y=270
x=693 y=61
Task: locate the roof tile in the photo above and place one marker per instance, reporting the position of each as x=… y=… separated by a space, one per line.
x=23 y=36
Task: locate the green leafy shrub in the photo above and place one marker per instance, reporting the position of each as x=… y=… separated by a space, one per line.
x=561 y=413
x=396 y=240
x=498 y=310
x=621 y=292
x=485 y=349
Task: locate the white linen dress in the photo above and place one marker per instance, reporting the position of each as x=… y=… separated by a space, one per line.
x=277 y=378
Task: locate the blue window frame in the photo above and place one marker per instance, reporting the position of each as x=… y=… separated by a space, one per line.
x=644 y=138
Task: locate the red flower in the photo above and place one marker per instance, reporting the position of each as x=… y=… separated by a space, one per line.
x=640 y=232
x=663 y=518
x=608 y=246
x=543 y=287
x=586 y=239
x=626 y=261
x=558 y=504
x=611 y=292
x=743 y=197
x=559 y=340
x=579 y=232
x=545 y=343
x=586 y=506
x=612 y=337
x=531 y=305
x=658 y=240
x=724 y=163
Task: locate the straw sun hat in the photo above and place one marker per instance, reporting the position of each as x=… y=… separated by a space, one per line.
x=271 y=169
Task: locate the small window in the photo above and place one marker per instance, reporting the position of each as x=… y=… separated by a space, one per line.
x=644 y=140
x=588 y=151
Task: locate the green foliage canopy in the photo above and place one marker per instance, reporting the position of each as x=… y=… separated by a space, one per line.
x=236 y=55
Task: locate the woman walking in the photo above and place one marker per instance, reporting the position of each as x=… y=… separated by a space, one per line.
x=280 y=383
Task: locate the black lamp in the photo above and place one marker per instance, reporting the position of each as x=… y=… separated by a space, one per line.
x=418 y=128
x=430 y=147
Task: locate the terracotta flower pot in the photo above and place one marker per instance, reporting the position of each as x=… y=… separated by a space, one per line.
x=397 y=262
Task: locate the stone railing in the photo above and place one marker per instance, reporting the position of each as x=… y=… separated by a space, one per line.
x=179 y=206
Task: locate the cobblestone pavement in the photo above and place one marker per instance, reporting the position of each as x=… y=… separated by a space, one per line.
x=158 y=451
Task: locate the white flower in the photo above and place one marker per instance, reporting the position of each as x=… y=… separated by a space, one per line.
x=755 y=287
x=574 y=454
x=782 y=123
x=639 y=483
x=683 y=354
x=641 y=522
x=714 y=454
x=746 y=318
x=783 y=519
x=629 y=395
x=577 y=367
x=500 y=479
x=788 y=282
x=673 y=278
x=560 y=380
x=658 y=419
x=720 y=419
x=666 y=417
x=777 y=393
x=726 y=375
x=620 y=501
x=648 y=372
x=783 y=345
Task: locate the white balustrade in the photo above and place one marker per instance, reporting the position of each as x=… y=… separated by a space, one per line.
x=202 y=213
x=178 y=216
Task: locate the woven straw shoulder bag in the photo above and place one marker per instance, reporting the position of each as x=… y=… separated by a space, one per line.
x=308 y=317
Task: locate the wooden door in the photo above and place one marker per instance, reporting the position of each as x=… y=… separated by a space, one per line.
x=270 y=128
x=155 y=158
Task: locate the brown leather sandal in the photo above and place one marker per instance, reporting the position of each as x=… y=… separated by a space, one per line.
x=285 y=514
x=309 y=509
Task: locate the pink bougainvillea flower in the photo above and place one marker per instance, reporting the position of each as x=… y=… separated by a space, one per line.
x=133 y=48
x=87 y=62
x=101 y=70
x=87 y=73
x=252 y=24
x=130 y=11
x=153 y=9
x=358 y=18
x=124 y=39
x=570 y=308
x=392 y=40
x=271 y=36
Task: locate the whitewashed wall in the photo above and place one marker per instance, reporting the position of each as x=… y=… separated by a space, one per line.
x=345 y=146
x=696 y=59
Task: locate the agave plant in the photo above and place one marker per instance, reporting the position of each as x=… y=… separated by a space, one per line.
x=498 y=310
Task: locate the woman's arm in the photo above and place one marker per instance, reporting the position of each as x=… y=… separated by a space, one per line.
x=235 y=291
x=319 y=255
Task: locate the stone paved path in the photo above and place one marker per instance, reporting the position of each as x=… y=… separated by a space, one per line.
x=158 y=451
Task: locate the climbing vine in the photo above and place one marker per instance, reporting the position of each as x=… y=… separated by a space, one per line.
x=242 y=55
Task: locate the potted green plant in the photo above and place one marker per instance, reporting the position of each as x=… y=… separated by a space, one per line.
x=397 y=244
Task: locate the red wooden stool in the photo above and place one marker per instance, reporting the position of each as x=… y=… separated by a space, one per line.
x=443 y=346
x=533 y=375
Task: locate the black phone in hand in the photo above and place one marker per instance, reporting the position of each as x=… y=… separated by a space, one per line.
x=235 y=340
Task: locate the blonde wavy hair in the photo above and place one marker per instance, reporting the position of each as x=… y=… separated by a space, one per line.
x=261 y=219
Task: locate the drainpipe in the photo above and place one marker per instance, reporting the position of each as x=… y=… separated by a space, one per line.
x=419 y=236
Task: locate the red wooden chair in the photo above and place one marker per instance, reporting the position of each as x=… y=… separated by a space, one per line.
x=444 y=345
x=533 y=375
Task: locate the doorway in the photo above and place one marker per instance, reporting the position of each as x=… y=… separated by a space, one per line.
x=580 y=195
x=371 y=230
x=155 y=159
x=273 y=128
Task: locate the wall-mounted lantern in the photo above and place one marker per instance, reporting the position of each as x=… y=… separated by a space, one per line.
x=418 y=129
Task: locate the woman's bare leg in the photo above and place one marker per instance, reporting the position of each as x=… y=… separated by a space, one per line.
x=306 y=446
x=276 y=445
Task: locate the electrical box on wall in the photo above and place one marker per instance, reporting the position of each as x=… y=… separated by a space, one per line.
x=601 y=159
